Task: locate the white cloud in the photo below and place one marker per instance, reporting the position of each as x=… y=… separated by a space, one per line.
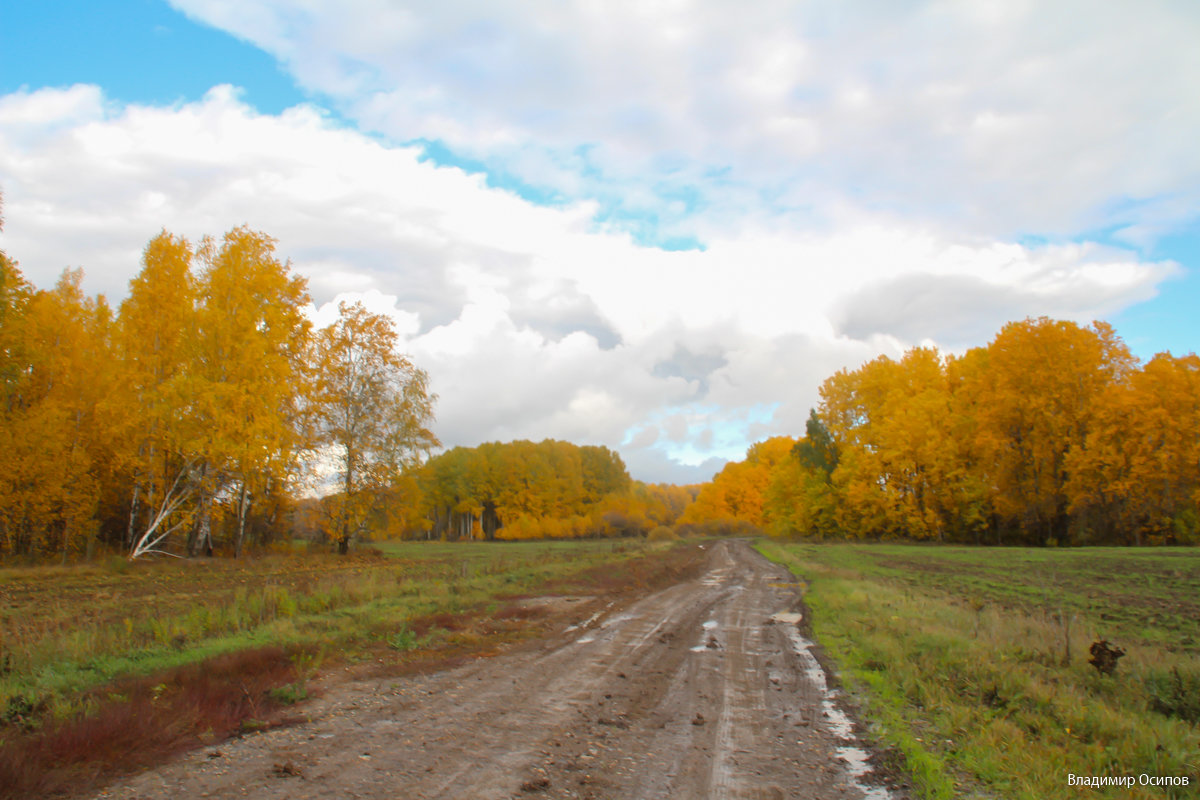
x=1009 y=117
x=530 y=322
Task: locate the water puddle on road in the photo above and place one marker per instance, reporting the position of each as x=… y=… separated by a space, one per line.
x=708 y=641
x=855 y=757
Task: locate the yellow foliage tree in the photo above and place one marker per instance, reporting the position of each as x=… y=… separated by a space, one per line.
x=248 y=381
x=737 y=493
x=52 y=447
x=1033 y=399
x=155 y=335
x=1137 y=478
x=372 y=409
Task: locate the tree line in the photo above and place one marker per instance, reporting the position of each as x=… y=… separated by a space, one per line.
x=549 y=489
x=187 y=414
x=1053 y=433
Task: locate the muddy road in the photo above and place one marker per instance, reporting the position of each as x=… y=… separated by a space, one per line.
x=703 y=690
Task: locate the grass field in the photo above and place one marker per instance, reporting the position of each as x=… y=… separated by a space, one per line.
x=105 y=667
x=973 y=663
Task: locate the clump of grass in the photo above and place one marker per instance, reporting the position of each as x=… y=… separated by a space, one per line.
x=1175 y=693
x=403 y=640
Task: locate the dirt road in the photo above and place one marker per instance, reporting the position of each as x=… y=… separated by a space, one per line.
x=698 y=691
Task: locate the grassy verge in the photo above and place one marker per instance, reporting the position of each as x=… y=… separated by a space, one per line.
x=973 y=663
x=108 y=668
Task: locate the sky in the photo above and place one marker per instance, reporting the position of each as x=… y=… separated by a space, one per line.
x=656 y=225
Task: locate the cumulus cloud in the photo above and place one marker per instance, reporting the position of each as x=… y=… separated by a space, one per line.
x=997 y=117
x=531 y=321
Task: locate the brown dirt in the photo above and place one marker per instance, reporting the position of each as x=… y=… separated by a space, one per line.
x=690 y=692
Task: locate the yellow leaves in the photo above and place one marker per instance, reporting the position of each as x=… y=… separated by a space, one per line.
x=1139 y=469
x=524 y=489
x=1034 y=404
x=738 y=491
x=52 y=444
x=190 y=400
x=1050 y=433
x=371 y=408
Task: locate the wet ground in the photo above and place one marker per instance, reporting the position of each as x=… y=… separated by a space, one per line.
x=707 y=689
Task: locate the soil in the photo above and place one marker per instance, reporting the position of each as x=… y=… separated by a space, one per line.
x=702 y=690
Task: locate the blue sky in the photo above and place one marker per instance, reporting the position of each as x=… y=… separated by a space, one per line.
x=139 y=51
x=655 y=226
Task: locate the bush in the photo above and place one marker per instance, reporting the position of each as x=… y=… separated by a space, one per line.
x=1175 y=694
x=662 y=534
x=617 y=524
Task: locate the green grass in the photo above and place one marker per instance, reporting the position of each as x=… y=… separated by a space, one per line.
x=65 y=630
x=973 y=663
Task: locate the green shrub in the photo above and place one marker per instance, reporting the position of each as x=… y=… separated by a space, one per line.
x=290 y=694
x=402 y=640
x=1175 y=694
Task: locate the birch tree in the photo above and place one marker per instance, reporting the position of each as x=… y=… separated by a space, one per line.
x=372 y=410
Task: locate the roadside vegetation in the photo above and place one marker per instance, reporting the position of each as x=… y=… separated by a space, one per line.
x=112 y=666
x=973 y=663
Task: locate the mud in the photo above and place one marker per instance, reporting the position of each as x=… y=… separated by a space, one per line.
x=707 y=689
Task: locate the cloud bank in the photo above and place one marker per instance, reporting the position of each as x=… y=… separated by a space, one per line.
x=531 y=322
x=846 y=178
x=996 y=118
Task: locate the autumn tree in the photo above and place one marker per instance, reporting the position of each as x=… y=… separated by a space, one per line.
x=737 y=493
x=1137 y=476
x=1034 y=404
x=53 y=451
x=372 y=410
x=801 y=498
x=526 y=489
x=249 y=379
x=155 y=342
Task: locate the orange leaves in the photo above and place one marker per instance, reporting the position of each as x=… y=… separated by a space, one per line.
x=51 y=443
x=1034 y=404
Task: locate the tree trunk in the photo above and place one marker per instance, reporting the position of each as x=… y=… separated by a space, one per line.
x=130 y=530
x=242 y=508
x=201 y=533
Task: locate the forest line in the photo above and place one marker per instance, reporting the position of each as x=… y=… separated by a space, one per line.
x=189 y=419
x=1053 y=433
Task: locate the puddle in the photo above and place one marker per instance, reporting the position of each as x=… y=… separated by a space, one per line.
x=855 y=757
x=856 y=764
x=712 y=623
x=589 y=620
x=787 y=618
